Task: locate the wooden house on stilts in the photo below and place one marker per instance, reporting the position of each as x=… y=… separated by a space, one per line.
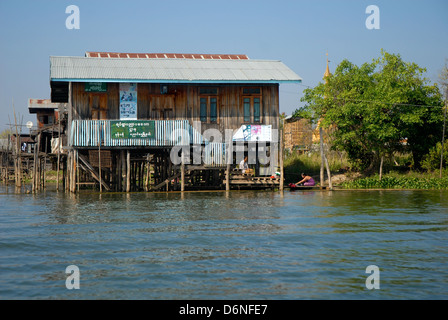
x=142 y=122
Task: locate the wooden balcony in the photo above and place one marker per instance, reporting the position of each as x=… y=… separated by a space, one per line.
x=164 y=133
x=92 y=133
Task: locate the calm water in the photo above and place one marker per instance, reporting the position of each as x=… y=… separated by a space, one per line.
x=213 y=245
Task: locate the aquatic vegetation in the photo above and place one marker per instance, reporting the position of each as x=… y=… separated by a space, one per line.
x=392 y=182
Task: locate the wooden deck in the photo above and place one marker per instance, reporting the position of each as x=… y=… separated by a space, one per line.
x=241 y=180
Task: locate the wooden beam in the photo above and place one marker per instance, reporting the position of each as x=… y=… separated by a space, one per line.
x=166 y=182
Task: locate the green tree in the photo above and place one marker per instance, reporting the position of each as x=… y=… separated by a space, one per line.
x=375 y=107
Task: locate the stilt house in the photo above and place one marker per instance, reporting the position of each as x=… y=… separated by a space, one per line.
x=123 y=109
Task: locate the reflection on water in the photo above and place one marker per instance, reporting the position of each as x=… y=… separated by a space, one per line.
x=224 y=245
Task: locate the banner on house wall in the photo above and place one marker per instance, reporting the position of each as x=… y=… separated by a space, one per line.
x=95 y=87
x=252 y=132
x=140 y=129
x=128 y=101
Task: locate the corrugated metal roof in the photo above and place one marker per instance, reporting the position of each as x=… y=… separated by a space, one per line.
x=42 y=104
x=169 y=70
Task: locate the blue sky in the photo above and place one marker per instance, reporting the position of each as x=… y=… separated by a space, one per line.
x=299 y=33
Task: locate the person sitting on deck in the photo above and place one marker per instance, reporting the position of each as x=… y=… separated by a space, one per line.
x=244 y=166
x=306 y=181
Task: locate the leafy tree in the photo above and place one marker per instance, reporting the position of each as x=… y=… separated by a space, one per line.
x=375 y=107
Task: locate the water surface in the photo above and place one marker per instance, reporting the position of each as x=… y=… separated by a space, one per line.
x=217 y=245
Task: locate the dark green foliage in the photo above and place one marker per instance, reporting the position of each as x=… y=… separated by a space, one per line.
x=431 y=161
x=374 y=108
x=390 y=182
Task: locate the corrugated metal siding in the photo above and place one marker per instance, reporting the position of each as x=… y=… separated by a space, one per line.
x=84 y=69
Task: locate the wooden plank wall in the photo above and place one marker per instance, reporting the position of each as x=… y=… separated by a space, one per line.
x=182 y=102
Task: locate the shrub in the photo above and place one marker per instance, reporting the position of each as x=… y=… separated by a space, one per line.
x=431 y=161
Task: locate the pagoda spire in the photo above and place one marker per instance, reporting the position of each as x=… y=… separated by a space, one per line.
x=327 y=71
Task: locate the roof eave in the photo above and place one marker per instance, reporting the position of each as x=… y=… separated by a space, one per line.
x=168 y=81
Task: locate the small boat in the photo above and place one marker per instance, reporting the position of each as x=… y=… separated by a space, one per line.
x=293 y=187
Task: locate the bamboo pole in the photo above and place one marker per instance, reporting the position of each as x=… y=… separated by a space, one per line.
x=34 y=169
x=330 y=185
x=18 y=159
x=45 y=164
x=322 y=162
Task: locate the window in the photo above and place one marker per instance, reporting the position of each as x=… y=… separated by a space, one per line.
x=251 y=91
x=208 y=104
x=256 y=109
x=247 y=109
x=252 y=104
x=213 y=110
x=204 y=109
x=208 y=90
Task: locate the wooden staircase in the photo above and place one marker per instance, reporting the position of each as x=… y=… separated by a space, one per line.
x=86 y=166
x=239 y=179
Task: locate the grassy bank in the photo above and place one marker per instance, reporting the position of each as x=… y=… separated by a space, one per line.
x=50 y=177
x=395 y=177
x=295 y=164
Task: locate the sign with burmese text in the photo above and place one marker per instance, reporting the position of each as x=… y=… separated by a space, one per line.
x=132 y=129
x=95 y=87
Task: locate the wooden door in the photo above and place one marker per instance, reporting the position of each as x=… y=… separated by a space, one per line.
x=98 y=105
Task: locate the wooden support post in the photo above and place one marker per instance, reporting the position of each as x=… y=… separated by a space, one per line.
x=59 y=154
x=73 y=172
x=77 y=170
x=122 y=183
x=147 y=173
x=128 y=171
x=68 y=172
x=228 y=177
x=182 y=177
x=99 y=167
x=282 y=175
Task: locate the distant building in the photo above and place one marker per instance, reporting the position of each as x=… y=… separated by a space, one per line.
x=47 y=113
x=298 y=134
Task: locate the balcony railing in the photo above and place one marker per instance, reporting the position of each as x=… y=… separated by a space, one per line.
x=167 y=133
x=92 y=133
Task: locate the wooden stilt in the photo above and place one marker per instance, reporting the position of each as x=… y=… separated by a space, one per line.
x=182 y=177
x=59 y=155
x=282 y=175
x=228 y=177
x=128 y=172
